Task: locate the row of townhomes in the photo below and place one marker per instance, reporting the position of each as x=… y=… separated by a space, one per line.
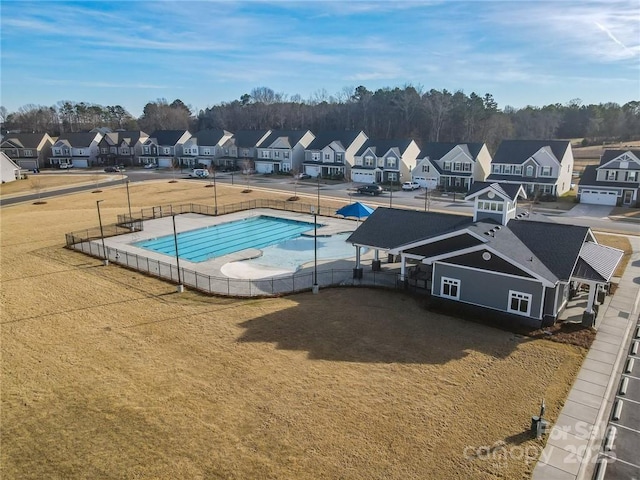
x=543 y=167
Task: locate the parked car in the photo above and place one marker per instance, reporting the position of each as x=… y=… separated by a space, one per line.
x=150 y=165
x=66 y=165
x=370 y=189
x=111 y=169
x=302 y=176
x=199 y=173
x=410 y=186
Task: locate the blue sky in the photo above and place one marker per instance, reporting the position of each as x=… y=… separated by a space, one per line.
x=206 y=52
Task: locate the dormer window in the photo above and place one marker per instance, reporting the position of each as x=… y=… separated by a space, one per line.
x=529 y=171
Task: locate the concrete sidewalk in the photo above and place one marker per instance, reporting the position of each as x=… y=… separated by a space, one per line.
x=574 y=441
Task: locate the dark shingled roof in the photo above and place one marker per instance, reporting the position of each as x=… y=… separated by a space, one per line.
x=24 y=140
x=437 y=150
x=609 y=155
x=132 y=136
x=344 y=137
x=380 y=147
x=388 y=228
x=248 y=138
x=556 y=245
x=210 y=137
x=167 y=137
x=79 y=139
x=294 y=137
x=518 y=151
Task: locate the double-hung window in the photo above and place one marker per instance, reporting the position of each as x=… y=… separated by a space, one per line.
x=519 y=303
x=450 y=288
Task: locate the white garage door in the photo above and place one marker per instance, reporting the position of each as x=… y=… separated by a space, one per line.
x=363 y=177
x=264 y=167
x=80 y=163
x=598 y=197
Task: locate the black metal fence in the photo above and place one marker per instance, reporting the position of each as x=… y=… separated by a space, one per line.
x=88 y=242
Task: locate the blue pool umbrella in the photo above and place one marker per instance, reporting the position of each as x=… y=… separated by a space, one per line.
x=358 y=210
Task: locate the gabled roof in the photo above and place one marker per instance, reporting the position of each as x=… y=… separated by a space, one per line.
x=556 y=245
x=380 y=147
x=78 y=139
x=437 y=150
x=510 y=191
x=291 y=136
x=518 y=151
x=344 y=138
x=24 y=140
x=167 y=137
x=609 y=155
x=210 y=137
x=597 y=262
x=130 y=136
x=248 y=138
x=387 y=228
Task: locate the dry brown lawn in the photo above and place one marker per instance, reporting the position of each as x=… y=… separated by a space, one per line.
x=45 y=182
x=107 y=373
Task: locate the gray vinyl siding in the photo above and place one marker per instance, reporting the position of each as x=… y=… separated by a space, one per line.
x=473 y=287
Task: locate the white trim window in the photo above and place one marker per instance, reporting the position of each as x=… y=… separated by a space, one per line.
x=368 y=161
x=450 y=288
x=519 y=303
x=546 y=171
x=529 y=171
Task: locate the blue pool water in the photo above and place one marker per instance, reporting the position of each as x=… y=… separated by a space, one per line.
x=212 y=242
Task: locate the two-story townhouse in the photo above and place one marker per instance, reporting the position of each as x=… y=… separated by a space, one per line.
x=27 y=150
x=205 y=147
x=240 y=151
x=542 y=167
x=452 y=166
x=616 y=181
x=384 y=161
x=79 y=149
x=121 y=147
x=282 y=151
x=164 y=147
x=331 y=153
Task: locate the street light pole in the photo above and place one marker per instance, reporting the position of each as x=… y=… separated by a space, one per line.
x=315 y=289
x=104 y=250
x=129 y=201
x=391 y=194
x=215 y=193
x=175 y=239
x=318 y=193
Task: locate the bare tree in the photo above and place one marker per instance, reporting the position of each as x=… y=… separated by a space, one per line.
x=36 y=185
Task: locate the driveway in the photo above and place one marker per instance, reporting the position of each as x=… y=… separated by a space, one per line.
x=583 y=210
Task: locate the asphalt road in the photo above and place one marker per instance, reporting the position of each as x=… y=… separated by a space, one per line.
x=341 y=191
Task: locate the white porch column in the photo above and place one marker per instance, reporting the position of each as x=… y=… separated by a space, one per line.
x=592 y=296
x=403 y=267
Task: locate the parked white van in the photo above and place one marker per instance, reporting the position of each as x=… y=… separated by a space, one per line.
x=199 y=173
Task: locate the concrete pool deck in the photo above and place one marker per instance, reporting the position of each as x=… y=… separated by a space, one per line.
x=230 y=265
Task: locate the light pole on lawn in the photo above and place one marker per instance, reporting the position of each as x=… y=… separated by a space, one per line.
x=215 y=193
x=315 y=289
x=104 y=250
x=175 y=239
x=318 y=211
x=129 y=201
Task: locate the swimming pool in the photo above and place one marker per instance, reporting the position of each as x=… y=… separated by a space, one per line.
x=211 y=242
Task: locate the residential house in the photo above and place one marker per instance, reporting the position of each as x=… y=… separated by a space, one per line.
x=121 y=147
x=383 y=161
x=9 y=170
x=331 y=153
x=79 y=149
x=452 y=166
x=204 y=148
x=164 y=147
x=542 y=167
x=240 y=151
x=27 y=150
x=503 y=263
x=282 y=151
x=616 y=181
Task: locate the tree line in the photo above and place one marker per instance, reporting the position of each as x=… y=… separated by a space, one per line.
x=387 y=113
